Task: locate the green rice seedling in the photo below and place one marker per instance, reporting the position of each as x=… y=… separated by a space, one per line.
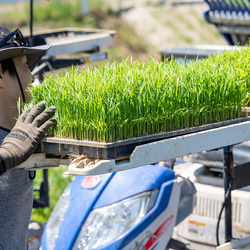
x=117 y=101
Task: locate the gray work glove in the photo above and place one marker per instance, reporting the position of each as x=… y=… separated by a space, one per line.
x=27 y=133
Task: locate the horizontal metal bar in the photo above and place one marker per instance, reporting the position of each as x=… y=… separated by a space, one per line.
x=229 y=20
x=41 y=161
x=55 y=63
x=234 y=29
x=79 y=44
x=172 y=148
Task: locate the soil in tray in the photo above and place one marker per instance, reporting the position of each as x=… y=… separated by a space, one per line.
x=117 y=101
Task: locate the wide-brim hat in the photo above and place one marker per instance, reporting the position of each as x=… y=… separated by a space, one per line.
x=13 y=48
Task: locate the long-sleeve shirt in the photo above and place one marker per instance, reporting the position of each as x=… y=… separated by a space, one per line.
x=16 y=200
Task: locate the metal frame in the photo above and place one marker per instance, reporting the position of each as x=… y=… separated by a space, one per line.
x=84 y=45
x=232 y=18
x=153 y=152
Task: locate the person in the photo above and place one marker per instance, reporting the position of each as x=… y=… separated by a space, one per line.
x=20 y=137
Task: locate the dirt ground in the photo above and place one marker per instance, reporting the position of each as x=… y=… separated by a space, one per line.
x=165 y=24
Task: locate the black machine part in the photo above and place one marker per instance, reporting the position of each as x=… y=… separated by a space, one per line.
x=187 y=199
x=233 y=162
x=214 y=162
x=43 y=192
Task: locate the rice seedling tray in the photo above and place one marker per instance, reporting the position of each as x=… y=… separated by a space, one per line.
x=119 y=149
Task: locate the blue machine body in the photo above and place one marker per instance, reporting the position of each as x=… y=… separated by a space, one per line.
x=110 y=189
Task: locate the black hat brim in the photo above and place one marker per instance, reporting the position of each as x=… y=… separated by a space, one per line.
x=34 y=54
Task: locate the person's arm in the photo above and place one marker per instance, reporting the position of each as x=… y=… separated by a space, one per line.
x=24 y=138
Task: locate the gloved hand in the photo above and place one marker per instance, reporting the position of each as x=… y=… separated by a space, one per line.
x=27 y=133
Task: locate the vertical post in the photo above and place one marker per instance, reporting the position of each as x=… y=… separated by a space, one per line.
x=46 y=187
x=30 y=41
x=31 y=18
x=43 y=200
x=228 y=176
x=85 y=7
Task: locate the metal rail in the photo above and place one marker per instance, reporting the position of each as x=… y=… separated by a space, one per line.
x=154 y=152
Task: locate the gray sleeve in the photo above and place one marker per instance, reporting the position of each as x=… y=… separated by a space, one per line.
x=2 y=165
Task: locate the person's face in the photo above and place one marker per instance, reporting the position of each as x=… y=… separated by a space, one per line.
x=10 y=85
x=24 y=75
x=10 y=91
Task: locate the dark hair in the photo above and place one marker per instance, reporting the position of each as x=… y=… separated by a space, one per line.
x=8 y=65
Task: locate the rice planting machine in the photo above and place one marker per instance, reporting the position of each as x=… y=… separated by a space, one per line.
x=131 y=154
x=214 y=157
x=231 y=18
x=122 y=198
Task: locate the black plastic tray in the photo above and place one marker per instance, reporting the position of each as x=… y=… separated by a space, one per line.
x=118 y=149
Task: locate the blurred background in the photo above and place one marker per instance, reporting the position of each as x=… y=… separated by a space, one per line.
x=143 y=27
